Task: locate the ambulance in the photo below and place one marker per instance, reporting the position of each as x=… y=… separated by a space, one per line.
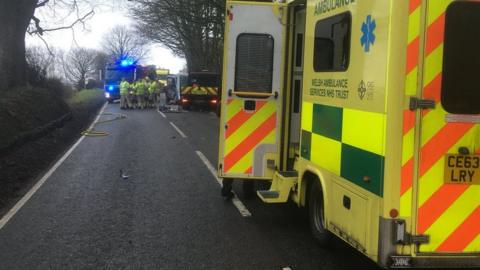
x=367 y=113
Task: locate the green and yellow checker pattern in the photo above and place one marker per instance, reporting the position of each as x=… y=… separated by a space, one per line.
x=346 y=142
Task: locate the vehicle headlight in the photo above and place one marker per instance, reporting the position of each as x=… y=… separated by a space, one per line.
x=107 y=95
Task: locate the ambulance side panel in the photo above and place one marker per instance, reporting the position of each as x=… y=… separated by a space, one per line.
x=344 y=115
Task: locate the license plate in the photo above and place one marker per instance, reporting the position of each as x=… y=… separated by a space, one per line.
x=462 y=169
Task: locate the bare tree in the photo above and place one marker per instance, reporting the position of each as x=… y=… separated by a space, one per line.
x=40 y=63
x=122 y=42
x=190 y=28
x=79 y=65
x=101 y=61
x=17 y=17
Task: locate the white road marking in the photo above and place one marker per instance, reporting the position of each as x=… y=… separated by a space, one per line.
x=238 y=204
x=287 y=268
x=178 y=130
x=162 y=114
x=5 y=219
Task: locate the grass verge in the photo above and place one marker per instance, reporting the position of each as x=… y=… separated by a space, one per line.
x=85 y=97
x=21 y=167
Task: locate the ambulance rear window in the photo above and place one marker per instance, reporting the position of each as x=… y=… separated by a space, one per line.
x=254 y=63
x=332 y=43
x=461 y=59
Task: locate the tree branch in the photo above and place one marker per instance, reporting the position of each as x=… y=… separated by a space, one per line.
x=39 y=30
x=46 y=45
x=37 y=25
x=41 y=4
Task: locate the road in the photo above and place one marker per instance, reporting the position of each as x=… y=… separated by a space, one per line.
x=168 y=214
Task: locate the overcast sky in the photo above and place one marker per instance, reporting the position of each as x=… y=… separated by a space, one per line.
x=90 y=36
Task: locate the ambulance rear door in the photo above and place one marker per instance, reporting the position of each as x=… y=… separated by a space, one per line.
x=448 y=165
x=252 y=90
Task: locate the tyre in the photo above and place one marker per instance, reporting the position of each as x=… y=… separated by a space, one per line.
x=263 y=185
x=226 y=190
x=316 y=214
x=110 y=101
x=218 y=110
x=248 y=187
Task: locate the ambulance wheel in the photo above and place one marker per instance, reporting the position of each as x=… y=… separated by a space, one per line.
x=316 y=213
x=248 y=187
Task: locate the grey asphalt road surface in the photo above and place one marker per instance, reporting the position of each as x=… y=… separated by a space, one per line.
x=168 y=213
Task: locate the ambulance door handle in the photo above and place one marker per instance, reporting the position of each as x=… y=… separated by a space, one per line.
x=417 y=103
x=347 y=202
x=276 y=94
x=229 y=92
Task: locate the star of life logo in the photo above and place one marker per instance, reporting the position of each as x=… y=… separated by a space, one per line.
x=368 y=30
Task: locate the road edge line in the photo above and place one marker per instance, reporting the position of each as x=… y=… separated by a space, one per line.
x=178 y=130
x=11 y=213
x=235 y=200
x=162 y=114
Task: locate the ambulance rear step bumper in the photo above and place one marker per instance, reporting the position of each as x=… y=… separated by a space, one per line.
x=267 y=194
x=459 y=262
x=280 y=188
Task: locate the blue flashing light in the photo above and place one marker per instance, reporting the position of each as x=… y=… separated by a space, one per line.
x=110 y=88
x=126 y=63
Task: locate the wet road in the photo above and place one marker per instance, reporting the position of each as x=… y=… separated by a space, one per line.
x=168 y=214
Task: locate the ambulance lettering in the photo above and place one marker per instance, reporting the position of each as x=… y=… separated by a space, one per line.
x=324 y=6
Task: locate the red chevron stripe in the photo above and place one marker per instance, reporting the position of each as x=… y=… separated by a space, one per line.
x=434 y=88
x=437 y=204
x=463 y=235
x=414 y=4
x=407 y=177
x=439 y=145
x=435 y=34
x=433 y=91
x=241 y=118
x=250 y=142
x=433 y=150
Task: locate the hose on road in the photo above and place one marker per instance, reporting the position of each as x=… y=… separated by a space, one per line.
x=92 y=133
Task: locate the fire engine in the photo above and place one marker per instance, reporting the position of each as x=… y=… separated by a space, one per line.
x=124 y=68
x=365 y=112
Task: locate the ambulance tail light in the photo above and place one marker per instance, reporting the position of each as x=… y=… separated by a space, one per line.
x=184 y=100
x=213 y=101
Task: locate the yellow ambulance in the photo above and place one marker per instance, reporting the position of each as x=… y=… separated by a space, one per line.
x=367 y=112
